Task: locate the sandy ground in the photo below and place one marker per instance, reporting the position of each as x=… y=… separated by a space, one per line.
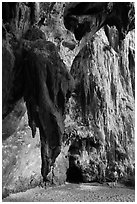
x=75 y=193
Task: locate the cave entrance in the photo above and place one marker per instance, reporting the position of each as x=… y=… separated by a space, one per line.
x=74 y=172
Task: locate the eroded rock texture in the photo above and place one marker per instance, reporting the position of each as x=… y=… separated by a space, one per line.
x=99 y=124
x=103 y=105
x=47 y=87
x=32 y=69
x=8 y=60
x=16 y=21
x=85 y=17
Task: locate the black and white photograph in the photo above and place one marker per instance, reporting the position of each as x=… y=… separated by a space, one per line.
x=68 y=101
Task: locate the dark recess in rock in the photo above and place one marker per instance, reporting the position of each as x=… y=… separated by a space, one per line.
x=74 y=172
x=34 y=33
x=9 y=11
x=131 y=57
x=102 y=101
x=82 y=18
x=70 y=45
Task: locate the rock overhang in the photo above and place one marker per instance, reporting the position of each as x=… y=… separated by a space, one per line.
x=84 y=17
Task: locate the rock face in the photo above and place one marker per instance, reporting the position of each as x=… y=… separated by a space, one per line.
x=12 y=121
x=82 y=18
x=16 y=21
x=8 y=60
x=102 y=108
x=47 y=88
x=104 y=102
x=99 y=117
x=35 y=72
x=21 y=160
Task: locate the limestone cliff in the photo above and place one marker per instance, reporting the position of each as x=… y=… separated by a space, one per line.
x=102 y=108
x=99 y=117
x=32 y=71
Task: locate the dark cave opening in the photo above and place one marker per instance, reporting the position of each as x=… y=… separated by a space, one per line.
x=74 y=172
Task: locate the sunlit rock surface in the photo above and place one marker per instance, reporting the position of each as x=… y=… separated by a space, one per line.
x=99 y=124
x=102 y=108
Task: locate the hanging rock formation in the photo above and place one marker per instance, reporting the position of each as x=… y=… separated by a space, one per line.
x=32 y=69
x=47 y=88
x=82 y=18
x=99 y=124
